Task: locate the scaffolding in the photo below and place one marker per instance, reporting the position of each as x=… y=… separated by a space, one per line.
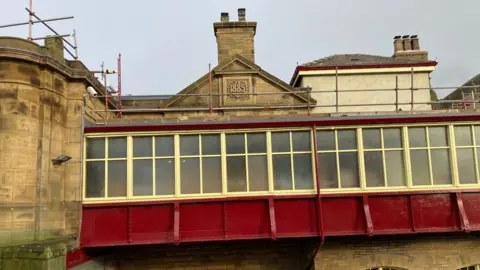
x=31 y=22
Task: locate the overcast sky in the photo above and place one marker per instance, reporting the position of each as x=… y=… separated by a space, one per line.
x=166 y=45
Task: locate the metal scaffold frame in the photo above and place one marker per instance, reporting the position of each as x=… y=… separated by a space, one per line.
x=31 y=22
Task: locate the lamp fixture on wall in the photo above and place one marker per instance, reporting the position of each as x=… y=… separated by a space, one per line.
x=60 y=159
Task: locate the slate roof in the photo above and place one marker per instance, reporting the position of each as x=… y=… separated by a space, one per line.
x=457 y=93
x=357 y=59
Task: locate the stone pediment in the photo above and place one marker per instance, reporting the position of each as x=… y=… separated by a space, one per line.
x=238 y=82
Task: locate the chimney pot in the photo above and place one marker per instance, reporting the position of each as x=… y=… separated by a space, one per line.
x=415 y=42
x=407 y=43
x=397 y=44
x=241 y=14
x=224 y=17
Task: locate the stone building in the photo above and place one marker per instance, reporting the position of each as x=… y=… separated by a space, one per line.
x=361 y=82
x=239 y=170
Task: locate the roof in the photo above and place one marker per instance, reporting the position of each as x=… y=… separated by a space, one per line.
x=284 y=121
x=249 y=66
x=147 y=97
x=455 y=94
x=357 y=60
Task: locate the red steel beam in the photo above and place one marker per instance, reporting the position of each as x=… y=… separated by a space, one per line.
x=176 y=223
x=273 y=224
x=464 y=222
x=317 y=181
x=368 y=217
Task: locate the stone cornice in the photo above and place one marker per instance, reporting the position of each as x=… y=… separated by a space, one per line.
x=80 y=72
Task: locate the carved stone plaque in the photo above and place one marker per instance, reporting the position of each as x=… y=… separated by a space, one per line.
x=237 y=91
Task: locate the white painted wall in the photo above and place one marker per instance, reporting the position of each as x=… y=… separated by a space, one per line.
x=368 y=99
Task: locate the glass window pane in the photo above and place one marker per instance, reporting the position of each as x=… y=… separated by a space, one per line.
x=282 y=172
x=301 y=141
x=349 y=176
x=417 y=137
x=212 y=175
x=95 y=179
x=236 y=174
x=143 y=177
x=438 y=136
x=235 y=143
x=117 y=147
x=96 y=148
x=477 y=135
x=395 y=168
x=420 y=170
x=441 y=167
x=164 y=176
x=189 y=145
x=211 y=144
x=463 y=136
x=374 y=169
x=347 y=139
x=190 y=175
x=325 y=140
x=142 y=146
x=302 y=169
x=280 y=142
x=117 y=178
x=257 y=142
x=371 y=138
x=466 y=166
x=257 y=173
x=392 y=137
x=327 y=170
x=164 y=146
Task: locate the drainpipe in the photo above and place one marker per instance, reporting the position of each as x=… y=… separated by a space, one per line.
x=82 y=128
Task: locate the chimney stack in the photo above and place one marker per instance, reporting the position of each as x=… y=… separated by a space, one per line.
x=241 y=15
x=224 y=17
x=235 y=37
x=408 y=47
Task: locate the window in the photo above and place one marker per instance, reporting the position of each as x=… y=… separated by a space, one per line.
x=106 y=167
x=292 y=160
x=383 y=157
x=429 y=155
x=246 y=156
x=472 y=267
x=153 y=165
x=466 y=139
x=200 y=164
x=338 y=158
x=210 y=164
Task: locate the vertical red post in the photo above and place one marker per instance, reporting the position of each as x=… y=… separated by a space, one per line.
x=317 y=180
x=119 y=67
x=176 y=223
x=273 y=222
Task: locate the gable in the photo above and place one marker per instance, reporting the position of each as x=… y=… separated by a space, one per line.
x=238 y=82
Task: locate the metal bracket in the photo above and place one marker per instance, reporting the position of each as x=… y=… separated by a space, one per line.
x=368 y=217
x=464 y=222
x=273 y=223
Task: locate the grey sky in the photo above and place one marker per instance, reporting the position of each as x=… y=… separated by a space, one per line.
x=166 y=45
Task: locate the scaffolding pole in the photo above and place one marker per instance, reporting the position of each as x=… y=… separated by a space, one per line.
x=119 y=68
